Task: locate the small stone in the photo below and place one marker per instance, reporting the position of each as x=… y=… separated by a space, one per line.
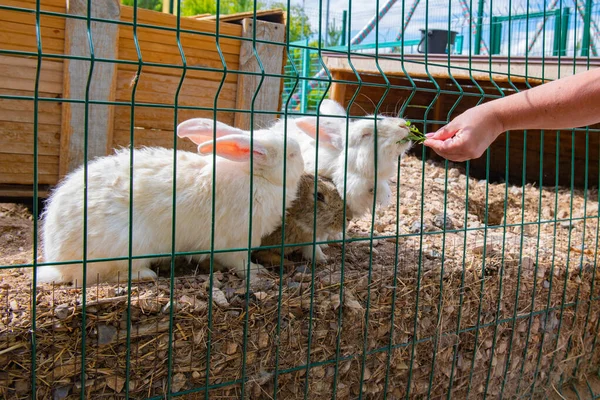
x=231 y=348
x=260 y=296
x=303 y=269
x=433 y=254
x=527 y=264
x=61 y=392
x=62 y=311
x=567 y=224
x=263 y=340
x=442 y=222
x=562 y=214
x=416 y=227
x=196 y=375
x=294 y=285
x=453 y=173
x=106 y=334
x=219 y=298
x=178 y=382
x=229 y=292
x=546 y=284
x=411 y=195
x=115 y=382
x=351 y=303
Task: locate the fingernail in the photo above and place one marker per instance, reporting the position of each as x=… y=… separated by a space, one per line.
x=430 y=134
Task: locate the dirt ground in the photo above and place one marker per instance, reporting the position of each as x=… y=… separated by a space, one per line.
x=536 y=233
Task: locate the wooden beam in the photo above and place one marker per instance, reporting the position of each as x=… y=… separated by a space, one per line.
x=271 y=57
x=338 y=90
x=99 y=127
x=23 y=191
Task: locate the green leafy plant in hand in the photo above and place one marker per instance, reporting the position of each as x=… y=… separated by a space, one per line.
x=414 y=134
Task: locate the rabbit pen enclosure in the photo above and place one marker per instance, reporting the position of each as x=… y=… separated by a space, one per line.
x=478 y=279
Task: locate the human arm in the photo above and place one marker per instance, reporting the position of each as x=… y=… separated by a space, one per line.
x=564 y=103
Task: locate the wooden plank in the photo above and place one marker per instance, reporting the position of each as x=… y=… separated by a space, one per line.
x=276 y=15
x=23 y=164
x=22 y=111
x=271 y=57
x=28 y=19
x=151 y=137
x=46 y=32
x=28 y=42
x=19 y=74
x=190 y=74
x=156 y=88
x=227 y=45
x=27 y=179
x=162 y=118
x=23 y=191
x=152 y=54
x=163 y=19
x=460 y=67
x=338 y=90
x=46 y=5
x=17 y=137
x=103 y=84
x=31 y=62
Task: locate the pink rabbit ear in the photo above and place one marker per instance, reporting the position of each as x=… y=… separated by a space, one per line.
x=235 y=148
x=329 y=131
x=200 y=130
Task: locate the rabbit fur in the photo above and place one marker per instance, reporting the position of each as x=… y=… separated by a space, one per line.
x=108 y=201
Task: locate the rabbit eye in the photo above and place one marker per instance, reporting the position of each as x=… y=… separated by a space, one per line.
x=320 y=197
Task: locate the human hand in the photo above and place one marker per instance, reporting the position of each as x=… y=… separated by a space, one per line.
x=467 y=136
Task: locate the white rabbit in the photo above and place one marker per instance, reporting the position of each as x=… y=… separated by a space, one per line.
x=108 y=202
x=360 y=167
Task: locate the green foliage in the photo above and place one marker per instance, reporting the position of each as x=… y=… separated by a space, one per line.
x=299 y=23
x=195 y=7
x=155 y=5
x=334 y=34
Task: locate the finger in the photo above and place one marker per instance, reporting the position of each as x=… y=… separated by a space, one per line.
x=451 y=156
x=443 y=133
x=452 y=149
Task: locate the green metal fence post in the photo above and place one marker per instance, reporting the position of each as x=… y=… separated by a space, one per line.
x=479 y=27
x=557 y=32
x=496 y=35
x=564 y=32
x=587 y=21
x=305 y=74
x=344 y=23
x=561 y=29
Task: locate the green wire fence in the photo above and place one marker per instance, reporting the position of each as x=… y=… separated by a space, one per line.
x=473 y=280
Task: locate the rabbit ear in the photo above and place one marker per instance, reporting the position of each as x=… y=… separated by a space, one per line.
x=329 y=131
x=199 y=130
x=235 y=148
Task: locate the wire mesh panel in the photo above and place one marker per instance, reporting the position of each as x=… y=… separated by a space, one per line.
x=301 y=242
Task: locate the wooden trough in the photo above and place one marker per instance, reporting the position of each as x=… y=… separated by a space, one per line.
x=121 y=75
x=462 y=82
